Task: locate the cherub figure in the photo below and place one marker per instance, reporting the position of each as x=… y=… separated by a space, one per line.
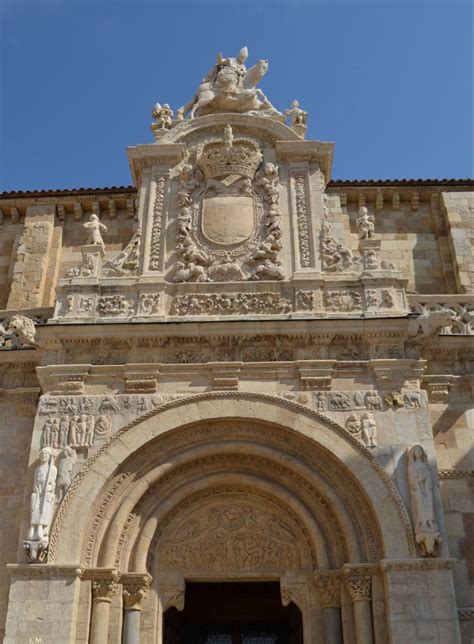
x=297 y=118
x=163 y=117
x=95 y=226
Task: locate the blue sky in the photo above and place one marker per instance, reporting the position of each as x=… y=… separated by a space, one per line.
x=389 y=82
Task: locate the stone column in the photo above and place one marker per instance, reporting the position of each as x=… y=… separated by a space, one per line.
x=104 y=585
x=359 y=585
x=329 y=588
x=134 y=589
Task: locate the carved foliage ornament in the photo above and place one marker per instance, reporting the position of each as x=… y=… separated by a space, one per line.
x=228 y=225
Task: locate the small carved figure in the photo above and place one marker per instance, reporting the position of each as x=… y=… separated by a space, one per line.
x=369 y=430
x=421 y=490
x=73 y=430
x=89 y=434
x=359 y=399
x=66 y=461
x=366 y=224
x=24 y=328
x=190 y=273
x=55 y=433
x=353 y=424
x=42 y=497
x=163 y=117
x=297 y=118
x=102 y=425
x=94 y=226
x=47 y=438
x=109 y=405
x=63 y=431
x=394 y=400
x=413 y=398
x=373 y=401
x=321 y=401
x=371 y=260
x=269 y=270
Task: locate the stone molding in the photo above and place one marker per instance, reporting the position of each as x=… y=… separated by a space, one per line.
x=416 y=564
x=46 y=570
x=455 y=474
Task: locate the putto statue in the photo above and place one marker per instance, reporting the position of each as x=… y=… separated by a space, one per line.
x=297 y=118
x=366 y=224
x=230 y=87
x=94 y=226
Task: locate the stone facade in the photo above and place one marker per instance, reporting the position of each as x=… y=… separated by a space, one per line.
x=237 y=369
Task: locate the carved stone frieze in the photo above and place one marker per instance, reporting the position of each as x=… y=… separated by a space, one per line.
x=304 y=300
x=230 y=304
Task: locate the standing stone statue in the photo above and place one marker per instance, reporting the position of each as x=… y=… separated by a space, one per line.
x=66 y=462
x=42 y=504
x=94 y=226
x=297 y=118
x=366 y=224
x=421 y=491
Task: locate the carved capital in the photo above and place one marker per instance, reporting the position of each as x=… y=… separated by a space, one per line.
x=134 y=589
x=104 y=583
x=359 y=586
x=102 y=590
x=329 y=589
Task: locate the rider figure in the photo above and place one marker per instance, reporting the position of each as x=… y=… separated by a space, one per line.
x=228 y=73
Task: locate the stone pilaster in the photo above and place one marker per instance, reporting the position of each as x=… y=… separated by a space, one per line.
x=30 y=269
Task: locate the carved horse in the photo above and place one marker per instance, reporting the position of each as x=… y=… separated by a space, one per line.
x=247 y=97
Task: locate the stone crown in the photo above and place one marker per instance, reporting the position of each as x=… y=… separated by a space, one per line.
x=241 y=157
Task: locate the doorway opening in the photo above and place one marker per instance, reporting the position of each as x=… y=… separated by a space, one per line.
x=233 y=613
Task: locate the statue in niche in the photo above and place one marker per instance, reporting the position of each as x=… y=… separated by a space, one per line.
x=94 y=226
x=421 y=491
x=230 y=87
x=66 y=461
x=366 y=224
x=42 y=497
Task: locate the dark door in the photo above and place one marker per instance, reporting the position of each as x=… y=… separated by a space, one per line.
x=233 y=613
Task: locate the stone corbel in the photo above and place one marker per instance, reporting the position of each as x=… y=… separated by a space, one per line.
x=141 y=379
x=63 y=379
x=395 y=372
x=226 y=375
x=171 y=591
x=296 y=588
x=315 y=374
x=438 y=388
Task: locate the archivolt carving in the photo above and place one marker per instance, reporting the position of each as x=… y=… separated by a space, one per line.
x=242 y=396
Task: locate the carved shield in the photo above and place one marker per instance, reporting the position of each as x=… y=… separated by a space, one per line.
x=228 y=219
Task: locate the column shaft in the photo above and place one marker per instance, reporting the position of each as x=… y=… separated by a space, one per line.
x=333 y=625
x=363 y=621
x=131 y=626
x=100 y=621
